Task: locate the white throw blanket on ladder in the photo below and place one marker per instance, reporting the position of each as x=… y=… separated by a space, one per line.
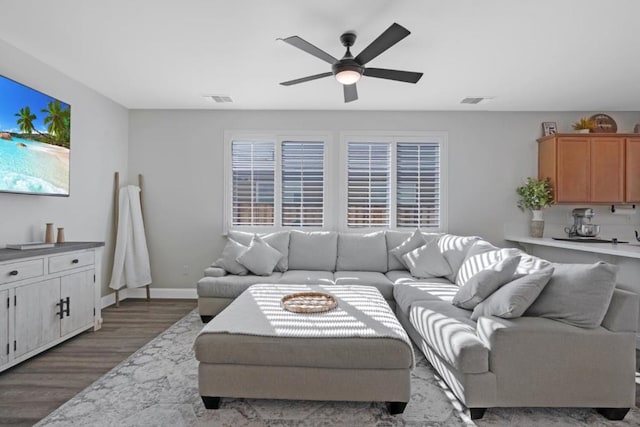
x=131 y=259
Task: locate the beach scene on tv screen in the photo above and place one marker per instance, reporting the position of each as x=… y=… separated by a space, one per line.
x=34 y=141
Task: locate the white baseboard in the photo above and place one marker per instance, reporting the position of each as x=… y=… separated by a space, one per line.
x=158 y=293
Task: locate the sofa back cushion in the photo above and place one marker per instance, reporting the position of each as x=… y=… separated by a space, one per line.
x=577 y=294
x=316 y=250
x=278 y=240
x=362 y=252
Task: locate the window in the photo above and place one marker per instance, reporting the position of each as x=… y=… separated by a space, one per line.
x=273 y=181
x=253 y=176
x=394 y=181
x=418 y=185
x=302 y=184
x=368 y=184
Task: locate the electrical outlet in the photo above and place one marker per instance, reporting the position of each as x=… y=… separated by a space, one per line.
x=185 y=270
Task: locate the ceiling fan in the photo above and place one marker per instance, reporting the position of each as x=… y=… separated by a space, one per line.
x=349 y=70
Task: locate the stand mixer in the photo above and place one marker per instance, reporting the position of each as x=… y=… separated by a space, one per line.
x=582 y=226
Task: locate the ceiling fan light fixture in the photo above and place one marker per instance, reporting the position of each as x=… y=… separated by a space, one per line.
x=348 y=77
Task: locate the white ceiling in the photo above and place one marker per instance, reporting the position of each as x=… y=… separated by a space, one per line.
x=545 y=55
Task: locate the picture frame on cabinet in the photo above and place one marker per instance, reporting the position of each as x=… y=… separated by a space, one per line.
x=549 y=128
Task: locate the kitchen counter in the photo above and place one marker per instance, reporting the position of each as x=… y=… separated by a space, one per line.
x=625 y=250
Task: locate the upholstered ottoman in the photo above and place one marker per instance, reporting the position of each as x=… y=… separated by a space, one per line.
x=355 y=352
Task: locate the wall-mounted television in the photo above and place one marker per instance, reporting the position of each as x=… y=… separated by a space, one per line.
x=35 y=141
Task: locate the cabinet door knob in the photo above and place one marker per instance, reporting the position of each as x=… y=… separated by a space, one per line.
x=13 y=273
x=75 y=261
x=60 y=304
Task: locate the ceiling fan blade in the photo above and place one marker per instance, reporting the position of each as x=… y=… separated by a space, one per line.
x=350 y=93
x=401 y=76
x=306 y=79
x=309 y=48
x=391 y=36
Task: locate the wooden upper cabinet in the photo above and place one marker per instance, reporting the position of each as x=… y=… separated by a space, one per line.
x=591 y=168
x=607 y=170
x=632 y=164
x=572 y=173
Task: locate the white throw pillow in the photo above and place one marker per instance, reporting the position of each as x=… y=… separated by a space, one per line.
x=415 y=241
x=278 y=240
x=455 y=248
x=427 y=261
x=577 y=294
x=259 y=258
x=486 y=282
x=227 y=260
x=480 y=256
x=513 y=299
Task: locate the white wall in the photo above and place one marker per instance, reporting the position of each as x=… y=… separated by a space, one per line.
x=180 y=155
x=99 y=140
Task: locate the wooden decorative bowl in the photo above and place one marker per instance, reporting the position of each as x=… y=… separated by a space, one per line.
x=308 y=302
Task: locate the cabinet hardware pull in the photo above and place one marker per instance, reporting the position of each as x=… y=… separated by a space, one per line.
x=75 y=261
x=13 y=273
x=68 y=309
x=60 y=304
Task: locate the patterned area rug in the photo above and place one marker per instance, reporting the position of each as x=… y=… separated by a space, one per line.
x=157 y=386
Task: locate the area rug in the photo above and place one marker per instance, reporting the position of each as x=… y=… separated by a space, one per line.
x=157 y=386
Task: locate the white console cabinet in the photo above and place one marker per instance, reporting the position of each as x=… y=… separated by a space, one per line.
x=47 y=296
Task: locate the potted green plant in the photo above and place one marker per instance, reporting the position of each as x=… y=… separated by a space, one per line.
x=584 y=125
x=535 y=195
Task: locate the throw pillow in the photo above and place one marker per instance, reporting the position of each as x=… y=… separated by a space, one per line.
x=455 y=248
x=426 y=261
x=577 y=294
x=486 y=282
x=413 y=242
x=481 y=255
x=511 y=300
x=227 y=260
x=259 y=258
x=278 y=240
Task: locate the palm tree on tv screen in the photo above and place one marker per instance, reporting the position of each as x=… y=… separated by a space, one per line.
x=58 y=122
x=25 y=120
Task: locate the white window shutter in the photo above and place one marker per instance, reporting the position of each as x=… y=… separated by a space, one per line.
x=253 y=176
x=302 y=184
x=418 y=185
x=368 y=184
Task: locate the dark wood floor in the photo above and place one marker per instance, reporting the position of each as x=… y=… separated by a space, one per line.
x=32 y=390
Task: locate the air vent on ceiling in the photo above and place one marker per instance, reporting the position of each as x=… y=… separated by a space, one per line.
x=476 y=99
x=219 y=98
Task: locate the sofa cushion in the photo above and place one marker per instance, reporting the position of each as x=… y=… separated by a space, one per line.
x=231 y=286
x=278 y=240
x=451 y=334
x=512 y=299
x=414 y=241
x=400 y=276
x=485 y=282
x=214 y=271
x=436 y=289
x=455 y=248
x=315 y=250
x=577 y=294
x=427 y=261
x=260 y=258
x=395 y=238
x=362 y=252
x=366 y=278
x=307 y=277
x=228 y=260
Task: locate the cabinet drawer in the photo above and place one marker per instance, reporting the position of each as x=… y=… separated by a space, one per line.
x=21 y=270
x=70 y=261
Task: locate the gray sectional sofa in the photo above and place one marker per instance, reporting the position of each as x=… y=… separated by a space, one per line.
x=567 y=340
